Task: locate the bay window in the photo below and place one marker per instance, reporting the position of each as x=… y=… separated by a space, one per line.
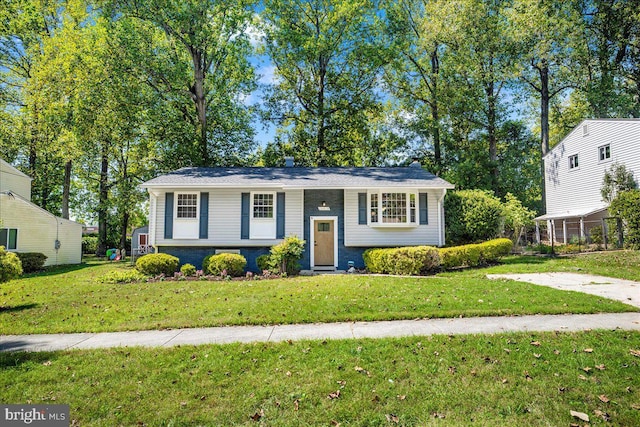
x=393 y=208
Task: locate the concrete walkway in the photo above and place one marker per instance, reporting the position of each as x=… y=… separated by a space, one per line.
x=626 y=291
x=399 y=328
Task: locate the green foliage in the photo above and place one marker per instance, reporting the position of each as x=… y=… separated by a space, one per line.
x=263 y=262
x=475 y=254
x=596 y=235
x=156 y=264
x=516 y=217
x=411 y=260
x=31 y=261
x=89 y=244
x=188 y=270
x=626 y=206
x=284 y=256
x=473 y=215
x=616 y=180
x=118 y=276
x=227 y=264
x=205 y=263
x=10 y=266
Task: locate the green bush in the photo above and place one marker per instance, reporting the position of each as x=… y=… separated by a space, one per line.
x=233 y=264
x=156 y=264
x=89 y=244
x=475 y=254
x=625 y=206
x=130 y=276
x=596 y=235
x=10 y=265
x=188 y=270
x=31 y=261
x=263 y=262
x=284 y=257
x=411 y=260
x=472 y=216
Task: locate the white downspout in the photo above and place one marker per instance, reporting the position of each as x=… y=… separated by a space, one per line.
x=441 y=237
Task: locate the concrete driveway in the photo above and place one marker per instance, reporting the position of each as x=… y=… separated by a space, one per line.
x=626 y=291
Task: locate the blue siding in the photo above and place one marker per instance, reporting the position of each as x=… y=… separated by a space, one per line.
x=195 y=254
x=335 y=200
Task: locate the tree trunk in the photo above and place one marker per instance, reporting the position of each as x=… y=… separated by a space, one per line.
x=435 y=113
x=491 y=135
x=124 y=226
x=66 y=190
x=102 y=202
x=322 y=161
x=544 y=127
x=200 y=101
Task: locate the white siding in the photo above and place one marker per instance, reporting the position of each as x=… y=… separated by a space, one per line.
x=38 y=231
x=11 y=179
x=224 y=219
x=362 y=235
x=579 y=188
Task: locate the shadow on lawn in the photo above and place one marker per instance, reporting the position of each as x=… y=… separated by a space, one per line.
x=58 y=269
x=12 y=355
x=11 y=309
x=527 y=259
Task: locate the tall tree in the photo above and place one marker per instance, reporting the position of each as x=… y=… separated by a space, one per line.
x=327 y=75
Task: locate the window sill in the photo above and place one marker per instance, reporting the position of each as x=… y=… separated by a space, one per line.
x=394 y=225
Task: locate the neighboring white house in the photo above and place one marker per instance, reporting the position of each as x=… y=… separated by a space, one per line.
x=340 y=212
x=25 y=227
x=574 y=171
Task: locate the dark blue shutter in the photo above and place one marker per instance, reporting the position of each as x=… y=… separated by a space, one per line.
x=280 y=216
x=168 y=216
x=204 y=215
x=422 y=204
x=244 y=216
x=362 y=208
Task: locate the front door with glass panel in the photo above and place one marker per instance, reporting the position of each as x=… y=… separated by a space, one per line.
x=323 y=243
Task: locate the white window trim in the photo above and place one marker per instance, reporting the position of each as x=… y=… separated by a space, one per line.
x=175 y=206
x=381 y=224
x=6 y=244
x=256 y=222
x=569 y=162
x=607 y=159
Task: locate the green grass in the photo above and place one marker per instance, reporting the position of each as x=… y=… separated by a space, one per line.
x=620 y=264
x=495 y=380
x=71 y=300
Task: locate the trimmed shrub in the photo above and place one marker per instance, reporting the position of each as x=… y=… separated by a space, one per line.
x=263 y=262
x=188 y=270
x=129 y=276
x=284 y=257
x=10 y=265
x=31 y=261
x=205 y=263
x=411 y=260
x=475 y=254
x=233 y=264
x=472 y=216
x=156 y=264
x=89 y=244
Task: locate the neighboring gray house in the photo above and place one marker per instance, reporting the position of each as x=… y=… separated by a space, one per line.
x=574 y=170
x=339 y=212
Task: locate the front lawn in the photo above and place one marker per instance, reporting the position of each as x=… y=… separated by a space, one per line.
x=70 y=300
x=519 y=379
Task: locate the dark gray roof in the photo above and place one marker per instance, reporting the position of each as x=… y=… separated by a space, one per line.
x=300 y=177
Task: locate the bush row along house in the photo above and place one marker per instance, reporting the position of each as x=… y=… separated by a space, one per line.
x=339 y=212
x=574 y=172
x=25 y=227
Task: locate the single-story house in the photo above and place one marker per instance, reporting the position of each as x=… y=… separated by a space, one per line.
x=574 y=172
x=339 y=212
x=25 y=227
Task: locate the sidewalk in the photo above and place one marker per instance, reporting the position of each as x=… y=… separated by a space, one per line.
x=319 y=331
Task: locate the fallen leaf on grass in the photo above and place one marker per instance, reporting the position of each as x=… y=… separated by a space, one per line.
x=582 y=377
x=401 y=397
x=537 y=355
x=334 y=423
x=604 y=398
x=438 y=415
x=580 y=415
x=362 y=371
x=296 y=404
x=602 y=415
x=535 y=343
x=259 y=414
x=587 y=369
x=601 y=367
x=588 y=350
x=47 y=363
x=635 y=353
x=635 y=406
x=452 y=369
x=392 y=418
x=334 y=395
